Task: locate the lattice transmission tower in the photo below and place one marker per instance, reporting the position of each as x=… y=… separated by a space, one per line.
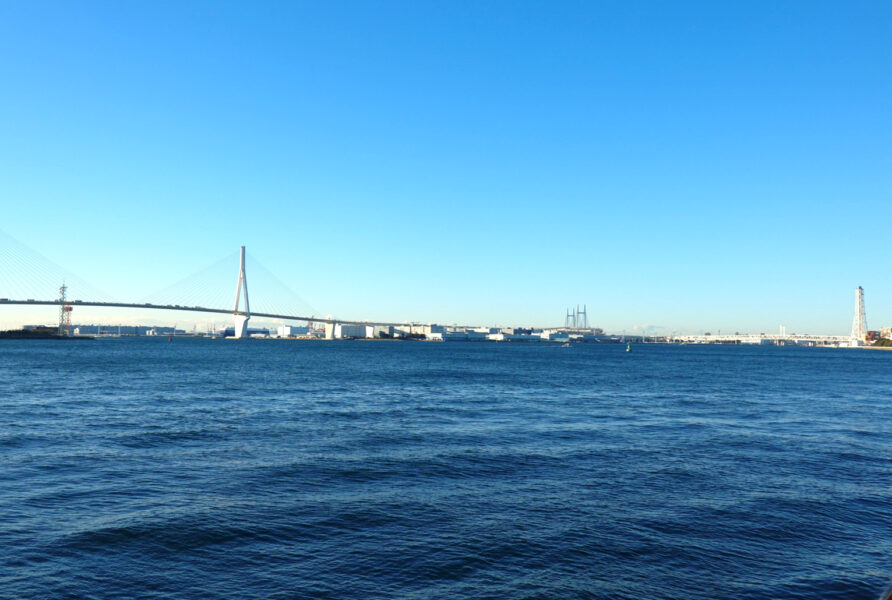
x=859 y=323
x=64 y=312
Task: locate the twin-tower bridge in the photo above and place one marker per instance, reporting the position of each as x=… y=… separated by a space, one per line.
x=240 y=315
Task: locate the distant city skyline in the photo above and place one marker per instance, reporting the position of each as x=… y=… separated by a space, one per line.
x=677 y=168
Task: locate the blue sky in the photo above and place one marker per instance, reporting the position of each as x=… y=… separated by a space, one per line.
x=694 y=166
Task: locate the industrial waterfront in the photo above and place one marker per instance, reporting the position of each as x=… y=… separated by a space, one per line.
x=576 y=329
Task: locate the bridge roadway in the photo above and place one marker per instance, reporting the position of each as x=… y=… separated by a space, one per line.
x=202 y=309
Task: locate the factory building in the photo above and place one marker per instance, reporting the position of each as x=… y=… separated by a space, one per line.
x=283 y=331
x=339 y=331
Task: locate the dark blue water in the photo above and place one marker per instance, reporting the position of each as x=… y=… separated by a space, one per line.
x=138 y=468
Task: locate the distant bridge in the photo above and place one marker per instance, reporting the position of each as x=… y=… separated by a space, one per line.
x=240 y=317
x=201 y=309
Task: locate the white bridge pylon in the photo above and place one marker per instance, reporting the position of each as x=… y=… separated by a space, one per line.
x=241 y=317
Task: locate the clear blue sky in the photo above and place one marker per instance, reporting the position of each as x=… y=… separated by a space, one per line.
x=694 y=166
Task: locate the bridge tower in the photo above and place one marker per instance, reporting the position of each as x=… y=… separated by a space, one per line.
x=241 y=317
x=570 y=320
x=859 y=323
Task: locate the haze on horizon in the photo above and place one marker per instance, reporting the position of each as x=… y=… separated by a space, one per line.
x=683 y=167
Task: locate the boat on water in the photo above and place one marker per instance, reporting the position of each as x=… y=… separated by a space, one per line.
x=628 y=346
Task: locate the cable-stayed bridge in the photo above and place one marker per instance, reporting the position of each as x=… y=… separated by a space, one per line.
x=199 y=309
x=240 y=311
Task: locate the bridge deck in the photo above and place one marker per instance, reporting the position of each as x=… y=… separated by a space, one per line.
x=201 y=309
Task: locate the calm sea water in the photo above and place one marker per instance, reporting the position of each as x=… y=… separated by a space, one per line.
x=138 y=468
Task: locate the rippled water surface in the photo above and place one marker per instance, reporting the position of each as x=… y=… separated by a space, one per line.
x=198 y=468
